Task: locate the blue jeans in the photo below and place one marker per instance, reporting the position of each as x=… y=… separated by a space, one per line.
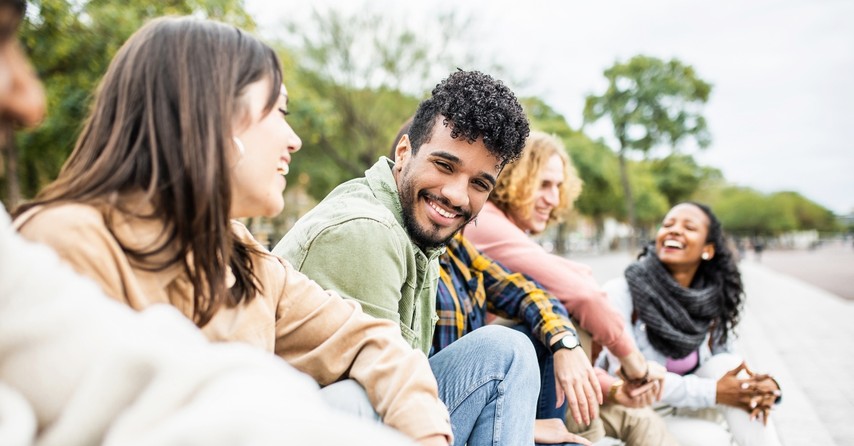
x=548 y=399
x=489 y=380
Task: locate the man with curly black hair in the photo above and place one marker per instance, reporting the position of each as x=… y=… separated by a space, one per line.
x=377 y=240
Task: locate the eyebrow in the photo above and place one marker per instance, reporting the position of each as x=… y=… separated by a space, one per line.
x=456 y=160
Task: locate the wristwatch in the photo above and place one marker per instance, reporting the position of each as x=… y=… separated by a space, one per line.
x=570 y=341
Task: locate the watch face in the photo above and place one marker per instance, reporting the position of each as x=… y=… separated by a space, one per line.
x=570 y=341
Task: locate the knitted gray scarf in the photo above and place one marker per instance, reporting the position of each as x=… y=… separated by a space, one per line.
x=677 y=318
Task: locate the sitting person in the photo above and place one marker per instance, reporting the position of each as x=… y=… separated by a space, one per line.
x=378 y=239
x=681 y=301
x=188 y=132
x=470 y=284
x=529 y=195
x=77 y=368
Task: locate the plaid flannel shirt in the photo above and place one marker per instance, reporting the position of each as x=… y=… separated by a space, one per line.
x=470 y=284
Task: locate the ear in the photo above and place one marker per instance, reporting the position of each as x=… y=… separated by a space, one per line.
x=708 y=251
x=402 y=152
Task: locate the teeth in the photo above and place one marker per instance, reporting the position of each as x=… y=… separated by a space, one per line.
x=441 y=211
x=673 y=244
x=283 y=169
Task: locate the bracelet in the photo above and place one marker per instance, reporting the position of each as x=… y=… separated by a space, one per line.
x=635 y=381
x=615 y=387
x=779 y=389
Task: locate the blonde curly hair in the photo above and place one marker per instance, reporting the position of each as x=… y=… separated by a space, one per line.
x=514 y=191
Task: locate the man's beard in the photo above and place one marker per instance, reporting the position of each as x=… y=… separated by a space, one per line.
x=421 y=237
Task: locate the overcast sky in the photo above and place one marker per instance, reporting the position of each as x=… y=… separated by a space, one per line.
x=782 y=108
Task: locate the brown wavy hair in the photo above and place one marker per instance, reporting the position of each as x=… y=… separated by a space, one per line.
x=514 y=191
x=161 y=123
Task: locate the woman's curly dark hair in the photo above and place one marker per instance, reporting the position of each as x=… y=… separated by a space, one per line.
x=722 y=269
x=475 y=105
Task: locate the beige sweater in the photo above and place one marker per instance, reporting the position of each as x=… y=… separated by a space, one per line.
x=77 y=368
x=315 y=331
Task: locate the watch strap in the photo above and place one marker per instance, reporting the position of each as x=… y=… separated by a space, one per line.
x=561 y=343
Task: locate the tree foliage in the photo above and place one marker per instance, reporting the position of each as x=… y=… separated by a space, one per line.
x=359 y=77
x=598 y=167
x=678 y=176
x=745 y=211
x=355 y=78
x=650 y=103
x=650 y=203
x=71 y=44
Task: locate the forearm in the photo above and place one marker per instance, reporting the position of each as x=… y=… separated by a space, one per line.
x=594 y=313
x=400 y=384
x=545 y=317
x=574 y=286
x=633 y=365
x=331 y=338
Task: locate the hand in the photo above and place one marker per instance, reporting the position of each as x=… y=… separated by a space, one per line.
x=643 y=395
x=767 y=391
x=554 y=431
x=576 y=381
x=634 y=367
x=754 y=394
x=434 y=440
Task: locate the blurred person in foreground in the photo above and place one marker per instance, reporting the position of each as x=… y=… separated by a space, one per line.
x=530 y=194
x=188 y=132
x=378 y=239
x=470 y=284
x=681 y=301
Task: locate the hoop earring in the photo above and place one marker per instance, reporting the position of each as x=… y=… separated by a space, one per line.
x=240 y=147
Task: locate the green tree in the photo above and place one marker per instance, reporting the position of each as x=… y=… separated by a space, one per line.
x=745 y=211
x=650 y=203
x=599 y=169
x=679 y=177
x=650 y=103
x=71 y=44
x=803 y=212
x=742 y=210
x=359 y=77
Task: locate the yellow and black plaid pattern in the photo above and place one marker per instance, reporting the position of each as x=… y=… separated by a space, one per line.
x=470 y=284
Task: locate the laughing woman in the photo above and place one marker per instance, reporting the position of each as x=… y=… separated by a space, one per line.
x=681 y=301
x=188 y=131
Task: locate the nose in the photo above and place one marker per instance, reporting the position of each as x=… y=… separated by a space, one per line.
x=294 y=141
x=456 y=191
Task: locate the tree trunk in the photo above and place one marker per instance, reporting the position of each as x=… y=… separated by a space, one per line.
x=560 y=239
x=13 y=187
x=630 y=202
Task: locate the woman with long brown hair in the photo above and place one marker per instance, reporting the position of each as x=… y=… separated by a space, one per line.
x=187 y=133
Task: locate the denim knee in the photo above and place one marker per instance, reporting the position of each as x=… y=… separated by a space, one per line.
x=514 y=350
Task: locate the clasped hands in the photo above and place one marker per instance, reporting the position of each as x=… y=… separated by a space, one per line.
x=755 y=394
x=640 y=389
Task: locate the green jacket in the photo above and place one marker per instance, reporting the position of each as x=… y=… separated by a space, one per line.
x=354 y=242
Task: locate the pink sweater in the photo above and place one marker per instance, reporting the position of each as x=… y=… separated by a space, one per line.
x=571 y=282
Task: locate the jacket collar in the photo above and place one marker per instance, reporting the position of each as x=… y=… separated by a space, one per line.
x=384 y=186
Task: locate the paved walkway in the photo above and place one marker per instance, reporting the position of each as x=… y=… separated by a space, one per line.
x=800 y=333
x=830 y=266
